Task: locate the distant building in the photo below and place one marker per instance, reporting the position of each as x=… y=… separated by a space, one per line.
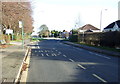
x=88 y=28
x=115 y=26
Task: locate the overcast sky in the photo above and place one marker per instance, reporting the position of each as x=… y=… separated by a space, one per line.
x=64 y=14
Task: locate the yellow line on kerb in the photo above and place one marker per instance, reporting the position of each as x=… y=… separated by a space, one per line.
x=25 y=73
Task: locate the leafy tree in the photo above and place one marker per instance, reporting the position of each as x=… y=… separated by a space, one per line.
x=44 y=31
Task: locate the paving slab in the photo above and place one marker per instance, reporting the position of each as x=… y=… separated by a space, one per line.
x=11 y=60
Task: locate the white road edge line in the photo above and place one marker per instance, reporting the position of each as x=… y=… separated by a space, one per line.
x=81 y=66
x=71 y=60
x=102 y=56
x=99 y=78
x=99 y=55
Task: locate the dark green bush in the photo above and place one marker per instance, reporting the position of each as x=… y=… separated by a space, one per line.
x=73 y=38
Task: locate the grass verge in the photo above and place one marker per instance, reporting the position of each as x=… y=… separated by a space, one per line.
x=101 y=47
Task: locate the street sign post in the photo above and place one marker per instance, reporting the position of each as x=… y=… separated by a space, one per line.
x=21 y=26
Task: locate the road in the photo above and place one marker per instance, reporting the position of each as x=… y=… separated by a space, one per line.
x=53 y=61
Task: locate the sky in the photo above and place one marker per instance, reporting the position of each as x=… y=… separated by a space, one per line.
x=65 y=14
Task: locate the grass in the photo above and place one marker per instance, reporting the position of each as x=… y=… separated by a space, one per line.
x=101 y=47
x=16 y=40
x=36 y=39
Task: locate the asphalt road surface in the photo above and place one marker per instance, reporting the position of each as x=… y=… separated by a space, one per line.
x=53 y=61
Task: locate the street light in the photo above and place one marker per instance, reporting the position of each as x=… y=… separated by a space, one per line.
x=101 y=18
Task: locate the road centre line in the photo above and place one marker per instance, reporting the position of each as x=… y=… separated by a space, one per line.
x=71 y=60
x=81 y=66
x=99 y=78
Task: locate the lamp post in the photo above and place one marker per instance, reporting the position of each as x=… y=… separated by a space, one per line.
x=101 y=13
x=21 y=26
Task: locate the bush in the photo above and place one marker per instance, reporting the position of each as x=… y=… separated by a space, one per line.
x=73 y=38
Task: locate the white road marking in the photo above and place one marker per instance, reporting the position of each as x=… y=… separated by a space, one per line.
x=42 y=54
x=102 y=56
x=39 y=47
x=71 y=60
x=64 y=55
x=99 y=55
x=35 y=51
x=77 y=48
x=47 y=54
x=52 y=54
x=99 y=78
x=59 y=52
x=91 y=52
x=33 y=47
x=41 y=51
x=55 y=55
x=81 y=66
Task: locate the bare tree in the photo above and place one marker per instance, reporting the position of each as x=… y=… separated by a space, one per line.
x=13 y=12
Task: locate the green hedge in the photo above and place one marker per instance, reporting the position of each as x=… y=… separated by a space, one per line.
x=110 y=39
x=73 y=38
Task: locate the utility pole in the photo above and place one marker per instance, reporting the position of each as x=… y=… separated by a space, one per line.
x=101 y=14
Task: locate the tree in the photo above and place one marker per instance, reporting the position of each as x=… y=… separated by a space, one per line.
x=44 y=31
x=13 y=12
x=55 y=33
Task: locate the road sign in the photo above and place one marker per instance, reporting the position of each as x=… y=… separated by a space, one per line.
x=9 y=31
x=20 y=24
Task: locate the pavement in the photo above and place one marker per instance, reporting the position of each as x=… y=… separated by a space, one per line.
x=111 y=53
x=12 y=58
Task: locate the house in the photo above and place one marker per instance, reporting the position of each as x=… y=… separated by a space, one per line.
x=115 y=26
x=88 y=28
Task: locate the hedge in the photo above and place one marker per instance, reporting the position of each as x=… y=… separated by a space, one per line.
x=73 y=38
x=109 y=39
